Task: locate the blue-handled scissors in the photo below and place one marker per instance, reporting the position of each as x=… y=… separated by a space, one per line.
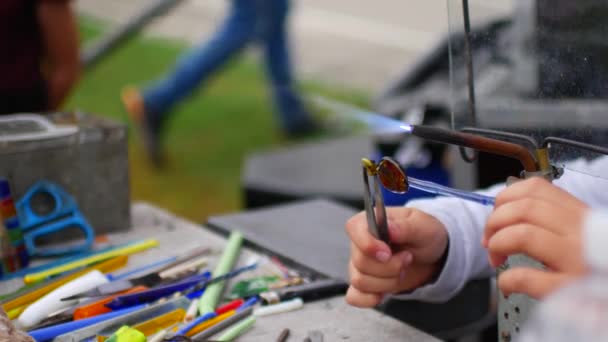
x=62 y=215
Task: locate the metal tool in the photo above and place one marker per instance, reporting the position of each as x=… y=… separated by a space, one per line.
x=150 y=279
x=222 y=277
x=308 y=292
x=154 y=294
x=186 y=286
x=375 y=209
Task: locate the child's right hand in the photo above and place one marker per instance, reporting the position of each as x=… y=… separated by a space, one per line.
x=418 y=242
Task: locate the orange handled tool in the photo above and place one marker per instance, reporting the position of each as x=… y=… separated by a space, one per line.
x=99 y=307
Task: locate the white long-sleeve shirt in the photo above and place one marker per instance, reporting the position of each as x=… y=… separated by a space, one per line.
x=465 y=222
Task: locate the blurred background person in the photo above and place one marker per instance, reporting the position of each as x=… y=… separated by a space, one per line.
x=39 y=62
x=248 y=21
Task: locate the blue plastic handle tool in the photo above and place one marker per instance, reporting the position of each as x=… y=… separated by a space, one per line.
x=64 y=215
x=49 y=333
x=248 y=303
x=156 y=293
x=195 y=294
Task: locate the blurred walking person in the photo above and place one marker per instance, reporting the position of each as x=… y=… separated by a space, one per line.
x=248 y=21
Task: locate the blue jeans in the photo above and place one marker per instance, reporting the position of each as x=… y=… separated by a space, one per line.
x=248 y=21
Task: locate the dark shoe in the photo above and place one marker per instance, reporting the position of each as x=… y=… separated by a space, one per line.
x=299 y=123
x=303 y=129
x=148 y=125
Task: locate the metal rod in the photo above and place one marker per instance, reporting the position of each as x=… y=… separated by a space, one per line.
x=479 y=143
x=468 y=58
x=576 y=144
x=509 y=135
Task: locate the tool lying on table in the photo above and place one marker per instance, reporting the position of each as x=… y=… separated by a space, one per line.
x=51 y=302
x=127 y=300
x=129 y=248
x=307 y=292
x=237 y=317
x=32 y=294
x=221 y=278
x=150 y=279
x=83 y=310
x=108 y=327
x=187 y=286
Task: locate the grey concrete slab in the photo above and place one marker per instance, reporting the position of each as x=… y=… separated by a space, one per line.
x=289 y=170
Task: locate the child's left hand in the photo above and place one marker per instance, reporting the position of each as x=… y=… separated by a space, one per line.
x=535 y=218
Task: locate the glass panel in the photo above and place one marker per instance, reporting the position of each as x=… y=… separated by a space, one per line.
x=540 y=68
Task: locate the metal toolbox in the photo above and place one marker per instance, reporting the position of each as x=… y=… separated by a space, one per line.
x=86 y=155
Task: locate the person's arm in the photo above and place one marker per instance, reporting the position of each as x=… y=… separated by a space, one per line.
x=466 y=259
x=418 y=242
x=60 y=42
x=465 y=221
x=434 y=251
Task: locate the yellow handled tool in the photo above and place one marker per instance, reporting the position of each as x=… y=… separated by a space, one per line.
x=30 y=297
x=130 y=249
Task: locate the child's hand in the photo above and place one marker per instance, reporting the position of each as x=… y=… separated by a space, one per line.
x=418 y=243
x=536 y=218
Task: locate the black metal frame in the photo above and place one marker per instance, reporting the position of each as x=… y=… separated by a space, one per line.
x=468 y=57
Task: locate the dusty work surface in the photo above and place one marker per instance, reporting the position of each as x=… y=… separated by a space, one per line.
x=334 y=318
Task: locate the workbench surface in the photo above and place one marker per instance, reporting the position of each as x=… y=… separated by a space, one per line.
x=334 y=318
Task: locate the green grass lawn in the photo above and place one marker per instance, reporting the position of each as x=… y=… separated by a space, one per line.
x=209 y=135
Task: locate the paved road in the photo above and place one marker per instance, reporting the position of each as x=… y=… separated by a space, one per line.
x=357 y=43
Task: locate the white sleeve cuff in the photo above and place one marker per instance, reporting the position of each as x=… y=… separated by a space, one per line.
x=442 y=289
x=595 y=239
x=467 y=259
